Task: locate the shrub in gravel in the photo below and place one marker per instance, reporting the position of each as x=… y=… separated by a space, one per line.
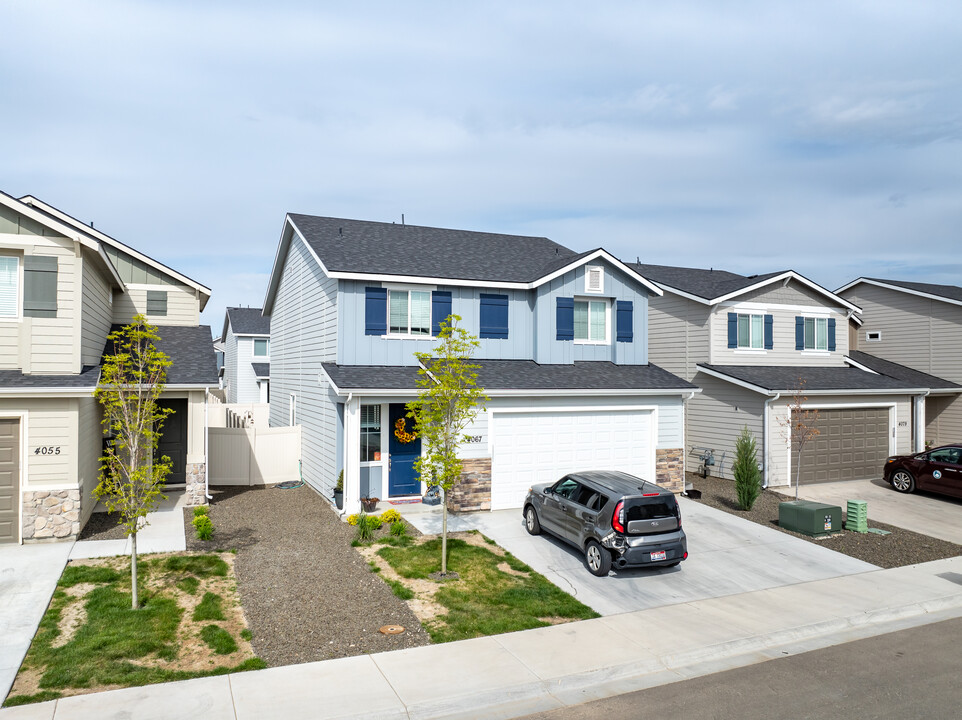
x=354 y=519
x=390 y=516
x=203 y=526
x=398 y=528
x=365 y=529
x=201 y=510
x=748 y=479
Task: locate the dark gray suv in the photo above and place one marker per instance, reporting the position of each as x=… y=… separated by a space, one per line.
x=612 y=517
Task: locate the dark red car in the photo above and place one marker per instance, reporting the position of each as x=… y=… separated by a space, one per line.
x=938 y=470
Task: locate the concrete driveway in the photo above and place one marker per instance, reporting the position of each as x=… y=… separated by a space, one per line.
x=727 y=555
x=28 y=576
x=937 y=516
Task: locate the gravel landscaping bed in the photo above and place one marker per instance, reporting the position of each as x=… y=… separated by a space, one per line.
x=103 y=526
x=307 y=594
x=901 y=547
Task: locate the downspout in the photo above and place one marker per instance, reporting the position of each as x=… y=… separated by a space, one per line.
x=206 y=448
x=765 y=434
x=347 y=453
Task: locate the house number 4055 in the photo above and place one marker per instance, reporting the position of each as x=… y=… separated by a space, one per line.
x=47 y=450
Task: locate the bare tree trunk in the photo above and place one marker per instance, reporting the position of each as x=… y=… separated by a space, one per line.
x=798 y=471
x=134 y=601
x=444 y=531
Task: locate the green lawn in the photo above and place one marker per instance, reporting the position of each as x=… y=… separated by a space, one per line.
x=90 y=637
x=485 y=600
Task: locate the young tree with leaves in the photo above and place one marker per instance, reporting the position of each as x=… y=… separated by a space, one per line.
x=448 y=400
x=133 y=377
x=748 y=485
x=800 y=426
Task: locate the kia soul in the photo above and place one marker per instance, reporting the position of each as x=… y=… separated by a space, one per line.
x=612 y=517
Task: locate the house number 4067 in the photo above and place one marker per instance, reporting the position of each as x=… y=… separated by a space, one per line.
x=47 y=450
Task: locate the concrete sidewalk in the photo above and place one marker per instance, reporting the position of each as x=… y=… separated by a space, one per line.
x=519 y=673
x=163 y=533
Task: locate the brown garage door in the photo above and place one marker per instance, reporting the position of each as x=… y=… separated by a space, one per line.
x=9 y=480
x=851 y=445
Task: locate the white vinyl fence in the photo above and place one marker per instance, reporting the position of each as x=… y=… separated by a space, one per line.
x=235 y=415
x=253 y=456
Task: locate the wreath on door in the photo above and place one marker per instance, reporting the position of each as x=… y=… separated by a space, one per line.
x=401 y=433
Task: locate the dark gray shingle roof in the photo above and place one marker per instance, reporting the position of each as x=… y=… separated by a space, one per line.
x=87 y=378
x=519 y=375
x=261 y=370
x=785 y=378
x=360 y=246
x=901 y=372
x=248 y=321
x=951 y=292
x=190 y=351
x=707 y=284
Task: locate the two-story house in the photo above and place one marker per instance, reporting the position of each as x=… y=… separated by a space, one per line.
x=247 y=355
x=751 y=343
x=563 y=358
x=918 y=325
x=63 y=287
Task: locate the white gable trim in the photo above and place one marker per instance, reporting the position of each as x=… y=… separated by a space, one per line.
x=599 y=253
x=789 y=275
x=899 y=288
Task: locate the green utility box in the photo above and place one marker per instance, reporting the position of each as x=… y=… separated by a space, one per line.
x=810 y=518
x=856 y=516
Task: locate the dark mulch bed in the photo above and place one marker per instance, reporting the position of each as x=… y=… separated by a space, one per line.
x=902 y=547
x=103 y=526
x=307 y=594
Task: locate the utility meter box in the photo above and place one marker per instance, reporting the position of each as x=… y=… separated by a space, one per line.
x=810 y=518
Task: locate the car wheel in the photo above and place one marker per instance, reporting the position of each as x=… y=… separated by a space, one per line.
x=903 y=481
x=598 y=559
x=531 y=523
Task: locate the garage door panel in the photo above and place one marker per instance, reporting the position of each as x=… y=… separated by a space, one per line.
x=855 y=449
x=9 y=480
x=565 y=442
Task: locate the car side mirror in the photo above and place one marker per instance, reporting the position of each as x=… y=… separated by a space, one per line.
x=547 y=491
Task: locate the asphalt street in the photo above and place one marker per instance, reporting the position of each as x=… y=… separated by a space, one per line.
x=908 y=674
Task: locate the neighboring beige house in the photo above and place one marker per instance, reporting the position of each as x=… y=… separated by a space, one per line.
x=747 y=342
x=63 y=287
x=918 y=325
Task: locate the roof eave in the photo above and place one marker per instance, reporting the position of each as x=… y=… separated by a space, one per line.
x=790 y=275
x=898 y=288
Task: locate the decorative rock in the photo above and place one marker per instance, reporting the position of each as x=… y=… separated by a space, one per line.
x=50 y=514
x=473 y=492
x=670 y=469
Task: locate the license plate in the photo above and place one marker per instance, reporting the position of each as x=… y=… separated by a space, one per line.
x=656 y=556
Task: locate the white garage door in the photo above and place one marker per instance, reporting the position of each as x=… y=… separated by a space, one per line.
x=536 y=447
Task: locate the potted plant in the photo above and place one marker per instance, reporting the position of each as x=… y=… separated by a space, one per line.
x=339 y=491
x=369 y=503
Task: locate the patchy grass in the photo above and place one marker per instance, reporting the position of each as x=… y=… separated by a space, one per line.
x=90 y=639
x=486 y=599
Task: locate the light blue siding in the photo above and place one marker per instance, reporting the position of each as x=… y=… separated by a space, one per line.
x=371 y=484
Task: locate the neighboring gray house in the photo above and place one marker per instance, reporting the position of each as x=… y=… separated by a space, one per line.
x=247 y=355
x=748 y=341
x=63 y=287
x=563 y=357
x=918 y=325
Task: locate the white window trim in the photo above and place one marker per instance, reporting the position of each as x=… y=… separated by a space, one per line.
x=870 y=333
x=18 y=315
x=608 y=304
x=589 y=269
x=373 y=463
x=816 y=350
x=254 y=349
x=748 y=349
x=409 y=289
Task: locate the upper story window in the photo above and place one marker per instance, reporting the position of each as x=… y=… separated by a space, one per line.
x=9 y=286
x=262 y=347
x=591 y=321
x=410 y=312
x=494 y=316
x=815 y=333
x=750 y=328
x=405 y=312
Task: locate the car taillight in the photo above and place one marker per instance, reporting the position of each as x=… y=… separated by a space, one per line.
x=618 y=517
x=678 y=514
x=650 y=494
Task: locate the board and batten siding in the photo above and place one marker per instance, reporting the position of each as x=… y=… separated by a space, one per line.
x=356 y=348
x=784 y=304
x=96 y=312
x=304 y=335
x=183 y=305
x=677 y=334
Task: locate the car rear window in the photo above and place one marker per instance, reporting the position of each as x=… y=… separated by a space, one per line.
x=649 y=508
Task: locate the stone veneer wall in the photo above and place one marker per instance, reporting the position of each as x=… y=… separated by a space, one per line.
x=670 y=469
x=51 y=515
x=473 y=493
x=195 y=484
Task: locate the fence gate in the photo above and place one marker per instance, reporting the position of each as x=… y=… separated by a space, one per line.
x=253 y=456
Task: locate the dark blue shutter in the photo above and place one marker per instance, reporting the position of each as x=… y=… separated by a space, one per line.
x=799 y=333
x=732 y=330
x=375 y=311
x=831 y=334
x=440 y=309
x=565 y=320
x=625 y=321
x=494 y=316
x=769 y=332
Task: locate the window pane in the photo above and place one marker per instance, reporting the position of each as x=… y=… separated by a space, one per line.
x=744 y=331
x=399 y=311
x=420 y=313
x=261 y=347
x=581 y=320
x=822 y=334
x=370 y=432
x=809 y=333
x=8 y=286
x=597 y=330
x=757 y=331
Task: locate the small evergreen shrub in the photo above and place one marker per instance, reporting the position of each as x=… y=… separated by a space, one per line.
x=390 y=516
x=203 y=527
x=201 y=510
x=748 y=479
x=354 y=519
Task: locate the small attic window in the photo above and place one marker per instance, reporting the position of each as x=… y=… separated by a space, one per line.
x=594 y=279
x=873 y=336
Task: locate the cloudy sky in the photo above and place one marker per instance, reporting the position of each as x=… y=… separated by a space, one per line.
x=822 y=137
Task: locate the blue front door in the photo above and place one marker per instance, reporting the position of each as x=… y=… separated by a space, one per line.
x=402 y=478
